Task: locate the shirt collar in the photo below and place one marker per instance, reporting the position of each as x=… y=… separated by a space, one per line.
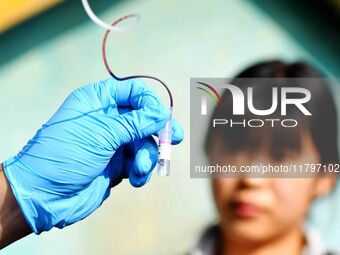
x=207 y=243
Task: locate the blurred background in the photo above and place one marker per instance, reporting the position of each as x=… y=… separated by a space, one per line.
x=50 y=47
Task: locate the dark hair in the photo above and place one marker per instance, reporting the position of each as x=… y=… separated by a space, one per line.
x=322 y=125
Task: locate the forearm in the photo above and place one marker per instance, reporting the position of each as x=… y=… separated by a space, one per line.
x=13 y=225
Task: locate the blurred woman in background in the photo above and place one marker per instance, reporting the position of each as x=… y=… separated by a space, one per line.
x=267 y=215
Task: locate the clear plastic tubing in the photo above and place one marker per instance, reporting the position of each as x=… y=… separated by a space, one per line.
x=103 y=24
x=165 y=134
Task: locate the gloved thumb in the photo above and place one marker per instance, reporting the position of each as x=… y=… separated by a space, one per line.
x=146 y=115
x=138 y=124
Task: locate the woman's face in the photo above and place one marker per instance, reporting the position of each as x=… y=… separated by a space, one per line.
x=257 y=209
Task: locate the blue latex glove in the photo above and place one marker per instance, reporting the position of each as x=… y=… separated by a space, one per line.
x=100 y=135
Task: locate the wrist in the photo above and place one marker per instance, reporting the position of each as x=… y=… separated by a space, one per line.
x=13 y=225
x=27 y=198
x=42 y=209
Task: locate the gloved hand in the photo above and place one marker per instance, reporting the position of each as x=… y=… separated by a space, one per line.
x=100 y=135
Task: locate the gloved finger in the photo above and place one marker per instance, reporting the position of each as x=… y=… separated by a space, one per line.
x=100 y=96
x=110 y=94
x=145 y=155
x=138 y=124
x=135 y=161
x=134 y=93
x=177 y=130
x=139 y=181
x=148 y=116
x=117 y=165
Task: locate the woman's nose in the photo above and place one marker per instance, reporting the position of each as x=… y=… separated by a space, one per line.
x=254 y=182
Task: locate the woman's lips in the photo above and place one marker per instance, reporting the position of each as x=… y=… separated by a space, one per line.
x=245 y=210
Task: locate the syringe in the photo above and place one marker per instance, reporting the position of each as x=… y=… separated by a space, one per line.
x=164 y=148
